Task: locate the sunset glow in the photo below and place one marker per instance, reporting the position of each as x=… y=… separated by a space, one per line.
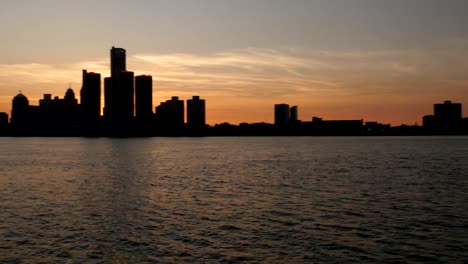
x=378 y=76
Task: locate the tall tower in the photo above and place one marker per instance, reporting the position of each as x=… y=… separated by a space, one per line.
x=118 y=61
x=107 y=97
x=282 y=114
x=448 y=116
x=119 y=95
x=144 y=97
x=293 y=114
x=91 y=101
x=125 y=96
x=196 y=112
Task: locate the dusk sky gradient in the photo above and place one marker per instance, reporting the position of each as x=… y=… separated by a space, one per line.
x=377 y=60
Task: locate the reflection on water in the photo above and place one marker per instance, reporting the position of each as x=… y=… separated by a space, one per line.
x=268 y=200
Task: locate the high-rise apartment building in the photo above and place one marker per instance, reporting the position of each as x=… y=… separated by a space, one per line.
x=196 y=112
x=170 y=114
x=107 y=97
x=118 y=61
x=91 y=95
x=447 y=115
x=124 y=96
x=293 y=114
x=282 y=113
x=144 y=97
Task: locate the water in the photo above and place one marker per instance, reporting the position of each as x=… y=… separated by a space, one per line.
x=230 y=200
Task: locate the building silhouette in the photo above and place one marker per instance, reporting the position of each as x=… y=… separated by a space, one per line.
x=128 y=112
x=119 y=96
x=144 y=104
x=144 y=97
x=20 y=113
x=118 y=61
x=282 y=114
x=107 y=97
x=170 y=114
x=196 y=113
x=447 y=118
x=90 y=102
x=293 y=115
x=447 y=115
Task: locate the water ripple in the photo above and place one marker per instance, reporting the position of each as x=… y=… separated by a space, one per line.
x=231 y=200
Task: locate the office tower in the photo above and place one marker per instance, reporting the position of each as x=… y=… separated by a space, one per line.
x=144 y=98
x=69 y=98
x=447 y=116
x=281 y=114
x=20 y=112
x=113 y=91
x=170 y=114
x=124 y=96
x=196 y=112
x=91 y=95
x=90 y=102
x=118 y=61
x=293 y=114
x=107 y=96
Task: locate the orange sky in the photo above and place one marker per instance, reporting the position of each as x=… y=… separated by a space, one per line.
x=386 y=61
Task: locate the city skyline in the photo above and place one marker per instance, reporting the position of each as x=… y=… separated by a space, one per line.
x=379 y=61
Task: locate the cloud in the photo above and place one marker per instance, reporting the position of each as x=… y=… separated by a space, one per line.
x=264 y=75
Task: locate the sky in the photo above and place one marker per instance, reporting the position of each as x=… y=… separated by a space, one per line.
x=377 y=60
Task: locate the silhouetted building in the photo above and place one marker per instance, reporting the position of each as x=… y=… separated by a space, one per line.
x=91 y=102
x=119 y=96
x=282 y=114
x=91 y=95
x=293 y=116
x=144 y=104
x=447 y=116
x=144 y=97
x=125 y=97
x=196 y=113
x=107 y=96
x=67 y=114
x=69 y=98
x=20 y=114
x=48 y=113
x=170 y=114
x=428 y=121
x=118 y=61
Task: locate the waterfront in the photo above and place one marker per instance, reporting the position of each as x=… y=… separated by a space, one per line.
x=257 y=200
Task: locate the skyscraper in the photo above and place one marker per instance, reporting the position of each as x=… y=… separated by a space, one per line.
x=144 y=97
x=119 y=95
x=196 y=112
x=123 y=100
x=170 y=114
x=293 y=115
x=107 y=97
x=447 y=116
x=20 y=112
x=91 y=95
x=90 y=101
x=281 y=114
x=112 y=90
x=118 y=61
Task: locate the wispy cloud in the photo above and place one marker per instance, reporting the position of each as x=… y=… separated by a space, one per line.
x=264 y=75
